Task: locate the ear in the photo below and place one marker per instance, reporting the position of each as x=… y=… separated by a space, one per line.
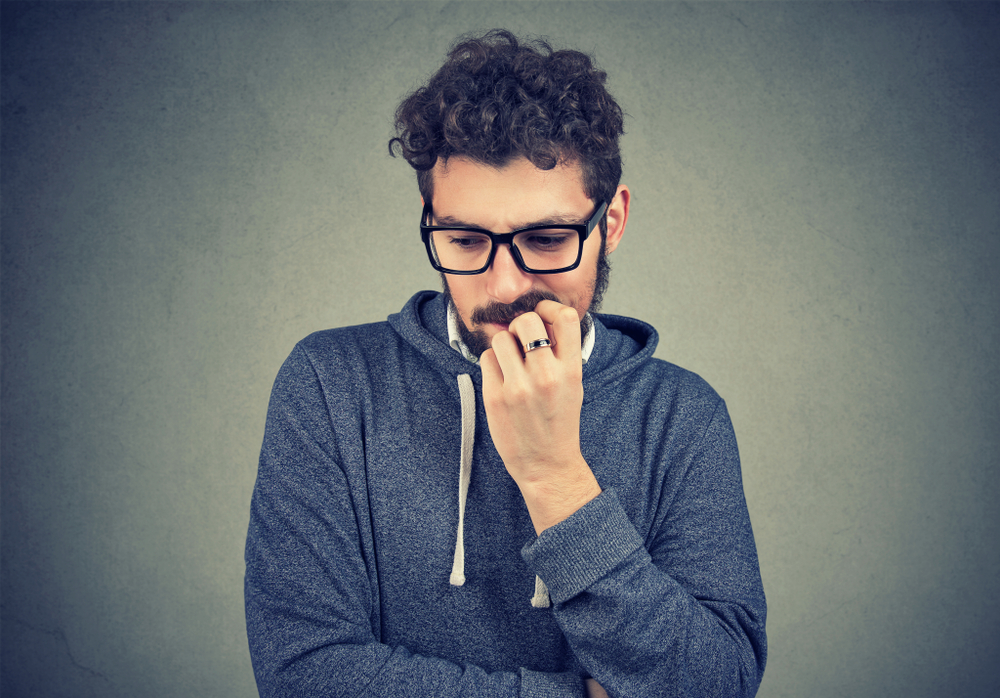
x=617 y=217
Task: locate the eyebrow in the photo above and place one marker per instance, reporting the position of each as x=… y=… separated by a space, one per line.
x=553 y=220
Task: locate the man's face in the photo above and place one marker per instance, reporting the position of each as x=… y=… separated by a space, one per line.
x=519 y=195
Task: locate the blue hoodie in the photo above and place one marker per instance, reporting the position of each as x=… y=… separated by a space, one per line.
x=390 y=553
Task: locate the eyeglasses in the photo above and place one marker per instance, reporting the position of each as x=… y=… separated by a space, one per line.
x=540 y=249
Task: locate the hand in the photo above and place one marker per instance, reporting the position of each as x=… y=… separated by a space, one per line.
x=533 y=404
x=595 y=690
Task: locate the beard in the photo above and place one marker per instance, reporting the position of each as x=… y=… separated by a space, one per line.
x=478 y=341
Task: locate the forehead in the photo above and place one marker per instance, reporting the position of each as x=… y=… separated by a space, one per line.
x=508 y=197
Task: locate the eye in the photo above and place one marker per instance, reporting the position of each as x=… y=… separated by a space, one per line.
x=547 y=240
x=467 y=243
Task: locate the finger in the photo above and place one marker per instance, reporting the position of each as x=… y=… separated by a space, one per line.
x=492 y=373
x=508 y=355
x=564 y=322
x=595 y=690
x=528 y=328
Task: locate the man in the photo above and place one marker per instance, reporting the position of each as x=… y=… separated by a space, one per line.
x=499 y=492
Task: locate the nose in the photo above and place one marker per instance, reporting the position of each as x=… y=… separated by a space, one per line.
x=506 y=282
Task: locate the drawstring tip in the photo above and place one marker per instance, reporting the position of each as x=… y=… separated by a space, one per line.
x=541 y=597
x=540 y=601
x=457 y=579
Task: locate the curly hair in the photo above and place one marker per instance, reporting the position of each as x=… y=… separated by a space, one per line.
x=496 y=98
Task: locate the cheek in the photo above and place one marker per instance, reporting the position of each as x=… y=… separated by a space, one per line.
x=572 y=287
x=591 y=249
x=465 y=293
x=583 y=276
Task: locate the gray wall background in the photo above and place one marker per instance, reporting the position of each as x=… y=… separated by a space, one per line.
x=188 y=189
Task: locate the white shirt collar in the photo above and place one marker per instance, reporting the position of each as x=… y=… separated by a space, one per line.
x=455 y=339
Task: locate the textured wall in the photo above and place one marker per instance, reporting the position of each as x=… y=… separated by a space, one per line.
x=188 y=189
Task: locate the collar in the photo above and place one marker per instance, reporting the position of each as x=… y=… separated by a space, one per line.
x=455 y=339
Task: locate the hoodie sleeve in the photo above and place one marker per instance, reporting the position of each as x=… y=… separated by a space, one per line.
x=679 y=613
x=311 y=595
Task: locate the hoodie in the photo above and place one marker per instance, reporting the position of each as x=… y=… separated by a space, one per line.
x=389 y=553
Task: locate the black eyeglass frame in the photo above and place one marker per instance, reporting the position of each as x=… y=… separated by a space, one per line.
x=583 y=230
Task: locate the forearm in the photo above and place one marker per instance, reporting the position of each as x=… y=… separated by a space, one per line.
x=327 y=646
x=654 y=639
x=633 y=627
x=375 y=670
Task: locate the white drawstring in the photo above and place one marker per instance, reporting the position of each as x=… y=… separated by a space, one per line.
x=468 y=398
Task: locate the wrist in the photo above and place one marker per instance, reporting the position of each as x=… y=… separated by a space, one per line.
x=551 y=501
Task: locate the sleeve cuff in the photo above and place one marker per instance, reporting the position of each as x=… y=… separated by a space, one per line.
x=575 y=553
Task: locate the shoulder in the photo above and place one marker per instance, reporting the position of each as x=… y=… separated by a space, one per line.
x=678 y=398
x=336 y=358
x=685 y=385
x=347 y=347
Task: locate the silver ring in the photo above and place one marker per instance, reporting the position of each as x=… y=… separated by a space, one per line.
x=537 y=344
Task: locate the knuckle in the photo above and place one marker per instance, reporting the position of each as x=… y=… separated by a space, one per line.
x=530 y=319
x=567 y=314
x=548 y=382
x=518 y=394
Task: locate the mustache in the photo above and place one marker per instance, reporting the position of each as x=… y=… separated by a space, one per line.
x=504 y=313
